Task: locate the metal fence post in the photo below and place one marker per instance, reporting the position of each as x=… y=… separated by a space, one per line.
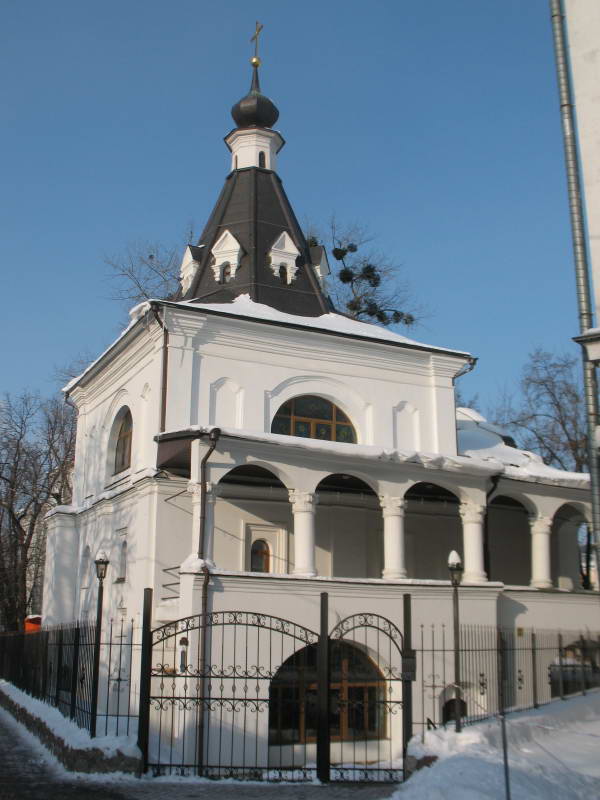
x=408 y=674
x=74 y=673
x=323 y=733
x=502 y=704
x=58 y=668
x=145 y=678
x=534 y=676
x=582 y=651
x=561 y=681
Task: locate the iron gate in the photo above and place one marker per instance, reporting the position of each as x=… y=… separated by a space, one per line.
x=236 y=694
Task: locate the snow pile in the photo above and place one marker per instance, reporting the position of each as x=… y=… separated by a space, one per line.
x=68 y=731
x=552 y=753
x=478 y=438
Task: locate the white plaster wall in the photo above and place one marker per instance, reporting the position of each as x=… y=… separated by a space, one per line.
x=216 y=362
x=60 y=589
x=131 y=379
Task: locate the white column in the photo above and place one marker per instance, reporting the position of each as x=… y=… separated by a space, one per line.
x=541 y=527
x=394 y=564
x=473 y=516
x=303 y=508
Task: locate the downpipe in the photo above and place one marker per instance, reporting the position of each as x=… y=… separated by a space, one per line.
x=213 y=438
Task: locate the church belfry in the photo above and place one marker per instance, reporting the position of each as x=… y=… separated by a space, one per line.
x=252 y=243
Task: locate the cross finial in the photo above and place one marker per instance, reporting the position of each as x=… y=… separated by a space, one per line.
x=255 y=61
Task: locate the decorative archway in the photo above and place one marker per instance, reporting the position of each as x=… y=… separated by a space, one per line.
x=357 y=691
x=570 y=549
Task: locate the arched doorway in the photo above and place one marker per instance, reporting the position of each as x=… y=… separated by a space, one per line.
x=433 y=529
x=508 y=541
x=357 y=691
x=348 y=528
x=253 y=521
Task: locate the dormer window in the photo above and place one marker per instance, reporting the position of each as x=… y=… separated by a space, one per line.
x=227 y=253
x=283 y=255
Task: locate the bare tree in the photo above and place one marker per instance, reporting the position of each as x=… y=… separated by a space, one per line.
x=147 y=270
x=548 y=416
x=37 y=441
x=368 y=285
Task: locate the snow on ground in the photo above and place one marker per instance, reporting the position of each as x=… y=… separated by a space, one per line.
x=553 y=755
x=67 y=730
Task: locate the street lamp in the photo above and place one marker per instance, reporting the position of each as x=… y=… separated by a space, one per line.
x=455 y=568
x=101 y=563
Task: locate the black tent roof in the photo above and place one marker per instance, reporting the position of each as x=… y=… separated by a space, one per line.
x=254 y=207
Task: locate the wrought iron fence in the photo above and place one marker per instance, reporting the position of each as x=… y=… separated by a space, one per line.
x=538 y=666
x=56 y=665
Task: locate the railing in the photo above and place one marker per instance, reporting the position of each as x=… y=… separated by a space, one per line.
x=538 y=666
x=56 y=664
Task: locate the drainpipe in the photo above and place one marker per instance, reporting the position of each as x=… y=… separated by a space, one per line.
x=165 y=364
x=580 y=256
x=214 y=438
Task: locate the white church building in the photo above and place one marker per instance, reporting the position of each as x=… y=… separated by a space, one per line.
x=243 y=446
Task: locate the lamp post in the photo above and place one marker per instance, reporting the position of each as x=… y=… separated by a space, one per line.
x=101 y=568
x=455 y=568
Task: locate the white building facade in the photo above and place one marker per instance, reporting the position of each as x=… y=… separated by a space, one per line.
x=243 y=447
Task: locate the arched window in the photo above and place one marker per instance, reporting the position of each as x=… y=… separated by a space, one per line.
x=357 y=709
x=283 y=274
x=261 y=159
x=226 y=273
x=260 y=556
x=313 y=417
x=123 y=444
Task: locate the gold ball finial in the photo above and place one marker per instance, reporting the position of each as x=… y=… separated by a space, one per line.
x=255 y=61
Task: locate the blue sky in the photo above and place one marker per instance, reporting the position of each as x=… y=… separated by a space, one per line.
x=434 y=124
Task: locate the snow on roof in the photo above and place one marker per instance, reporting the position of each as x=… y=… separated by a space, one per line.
x=244 y=306
x=478 y=438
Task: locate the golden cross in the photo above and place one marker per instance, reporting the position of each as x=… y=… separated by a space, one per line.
x=254 y=39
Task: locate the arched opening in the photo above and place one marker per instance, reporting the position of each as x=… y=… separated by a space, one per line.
x=508 y=541
x=449 y=710
x=235 y=162
x=260 y=556
x=283 y=274
x=357 y=692
x=349 y=524
x=313 y=417
x=225 y=273
x=120 y=441
x=433 y=528
x=253 y=526
x=570 y=550
x=261 y=159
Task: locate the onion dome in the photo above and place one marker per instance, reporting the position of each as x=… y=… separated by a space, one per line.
x=255 y=109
